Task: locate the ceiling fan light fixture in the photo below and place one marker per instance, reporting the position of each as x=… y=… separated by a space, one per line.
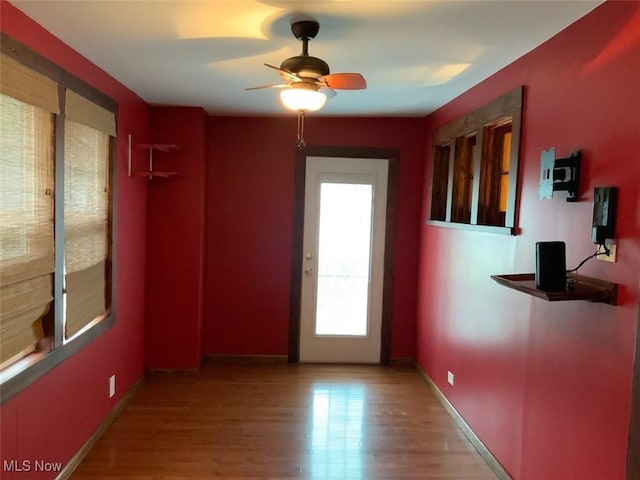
x=302 y=97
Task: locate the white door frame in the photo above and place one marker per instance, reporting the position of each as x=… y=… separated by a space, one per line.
x=298 y=229
x=336 y=347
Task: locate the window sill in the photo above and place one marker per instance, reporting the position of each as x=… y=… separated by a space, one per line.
x=34 y=366
x=21 y=365
x=474 y=228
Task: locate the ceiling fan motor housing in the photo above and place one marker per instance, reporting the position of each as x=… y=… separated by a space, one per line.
x=305 y=29
x=306 y=66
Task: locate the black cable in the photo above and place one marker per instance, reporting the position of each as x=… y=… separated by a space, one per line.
x=572 y=281
x=606 y=252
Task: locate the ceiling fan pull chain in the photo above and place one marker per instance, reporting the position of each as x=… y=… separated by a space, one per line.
x=300 y=143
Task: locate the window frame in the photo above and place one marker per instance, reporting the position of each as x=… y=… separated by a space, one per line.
x=37 y=364
x=475 y=124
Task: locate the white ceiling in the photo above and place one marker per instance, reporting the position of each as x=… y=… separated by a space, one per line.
x=415 y=55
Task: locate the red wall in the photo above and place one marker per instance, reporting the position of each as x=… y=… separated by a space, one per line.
x=51 y=419
x=175 y=247
x=249 y=227
x=546 y=386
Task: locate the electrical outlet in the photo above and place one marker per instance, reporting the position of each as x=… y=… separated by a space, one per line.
x=112 y=385
x=450 y=378
x=612 y=253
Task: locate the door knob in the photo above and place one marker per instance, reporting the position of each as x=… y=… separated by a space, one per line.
x=308 y=271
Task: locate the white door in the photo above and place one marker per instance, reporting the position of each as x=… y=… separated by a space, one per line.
x=343 y=259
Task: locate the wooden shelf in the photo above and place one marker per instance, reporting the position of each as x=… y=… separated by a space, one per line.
x=162 y=147
x=579 y=287
x=150 y=173
x=154 y=173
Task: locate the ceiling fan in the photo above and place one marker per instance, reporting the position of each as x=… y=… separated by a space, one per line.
x=308 y=81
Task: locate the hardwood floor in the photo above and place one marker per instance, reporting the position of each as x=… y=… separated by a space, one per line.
x=284 y=421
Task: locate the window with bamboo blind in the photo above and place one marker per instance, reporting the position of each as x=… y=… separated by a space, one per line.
x=56 y=215
x=26 y=225
x=87 y=239
x=475 y=168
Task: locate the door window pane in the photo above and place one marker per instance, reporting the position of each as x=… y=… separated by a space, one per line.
x=344 y=255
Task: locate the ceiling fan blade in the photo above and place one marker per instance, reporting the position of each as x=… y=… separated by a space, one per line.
x=287 y=76
x=328 y=91
x=344 y=81
x=281 y=85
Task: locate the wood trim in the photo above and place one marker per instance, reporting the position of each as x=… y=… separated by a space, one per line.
x=70 y=467
x=513 y=206
x=252 y=360
x=389 y=259
x=633 y=446
x=480 y=447
x=402 y=362
x=42 y=65
x=477 y=173
x=295 y=299
x=507 y=106
x=186 y=372
x=62 y=351
x=295 y=293
x=452 y=169
x=504 y=105
x=245 y=360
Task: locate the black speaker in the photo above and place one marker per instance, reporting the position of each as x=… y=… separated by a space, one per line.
x=551 y=266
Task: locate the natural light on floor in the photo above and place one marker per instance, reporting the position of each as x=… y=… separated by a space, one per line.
x=337 y=432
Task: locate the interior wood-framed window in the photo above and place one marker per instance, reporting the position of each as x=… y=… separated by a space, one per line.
x=475 y=168
x=441 y=154
x=463 y=171
x=56 y=215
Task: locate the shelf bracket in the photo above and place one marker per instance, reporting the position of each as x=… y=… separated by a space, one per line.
x=150 y=173
x=129 y=157
x=151 y=163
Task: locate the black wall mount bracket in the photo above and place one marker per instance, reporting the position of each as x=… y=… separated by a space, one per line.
x=559 y=174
